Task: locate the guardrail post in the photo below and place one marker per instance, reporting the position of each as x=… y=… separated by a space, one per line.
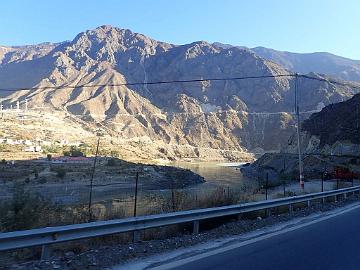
x=39 y=237
x=308 y=203
x=345 y=196
x=136 y=236
x=45 y=252
x=290 y=209
x=196 y=227
x=267 y=184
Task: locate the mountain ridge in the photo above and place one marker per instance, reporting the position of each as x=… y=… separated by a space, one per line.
x=320 y=62
x=208 y=114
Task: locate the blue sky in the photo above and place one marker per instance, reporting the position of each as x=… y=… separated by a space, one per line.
x=299 y=26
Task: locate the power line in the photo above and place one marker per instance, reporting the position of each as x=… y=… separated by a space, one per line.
x=352 y=85
x=342 y=83
x=145 y=83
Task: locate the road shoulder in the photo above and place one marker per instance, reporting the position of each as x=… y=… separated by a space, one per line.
x=169 y=260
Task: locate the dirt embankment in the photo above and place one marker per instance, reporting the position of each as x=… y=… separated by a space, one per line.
x=107 y=170
x=283 y=166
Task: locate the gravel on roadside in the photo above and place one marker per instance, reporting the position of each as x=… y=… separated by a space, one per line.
x=104 y=257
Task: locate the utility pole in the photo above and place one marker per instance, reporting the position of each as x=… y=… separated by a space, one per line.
x=284 y=178
x=136 y=192
x=92 y=179
x=357 y=117
x=301 y=175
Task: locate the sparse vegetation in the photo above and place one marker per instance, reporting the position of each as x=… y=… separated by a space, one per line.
x=55 y=149
x=24 y=211
x=74 y=152
x=114 y=154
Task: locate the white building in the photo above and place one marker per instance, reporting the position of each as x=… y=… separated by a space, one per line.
x=33 y=148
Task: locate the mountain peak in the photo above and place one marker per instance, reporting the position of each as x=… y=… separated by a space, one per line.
x=107 y=27
x=212 y=114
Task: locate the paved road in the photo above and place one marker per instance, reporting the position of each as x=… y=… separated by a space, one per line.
x=330 y=244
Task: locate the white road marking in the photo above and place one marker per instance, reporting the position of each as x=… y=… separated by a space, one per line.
x=282 y=229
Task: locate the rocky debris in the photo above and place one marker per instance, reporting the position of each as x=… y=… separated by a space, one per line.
x=104 y=257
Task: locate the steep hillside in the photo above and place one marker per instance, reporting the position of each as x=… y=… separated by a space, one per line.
x=319 y=62
x=23 y=53
x=329 y=139
x=235 y=116
x=336 y=122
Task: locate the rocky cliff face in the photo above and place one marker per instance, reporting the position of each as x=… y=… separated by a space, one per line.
x=24 y=53
x=336 y=122
x=330 y=138
x=233 y=115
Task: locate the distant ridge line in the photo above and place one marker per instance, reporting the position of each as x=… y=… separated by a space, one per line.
x=181 y=81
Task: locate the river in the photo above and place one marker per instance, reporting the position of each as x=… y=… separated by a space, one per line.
x=216 y=174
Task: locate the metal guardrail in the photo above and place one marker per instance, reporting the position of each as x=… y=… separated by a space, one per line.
x=52 y=235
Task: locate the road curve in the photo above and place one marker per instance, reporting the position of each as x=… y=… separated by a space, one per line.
x=330 y=244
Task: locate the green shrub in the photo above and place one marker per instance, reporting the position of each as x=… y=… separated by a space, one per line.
x=75 y=152
x=24 y=211
x=52 y=149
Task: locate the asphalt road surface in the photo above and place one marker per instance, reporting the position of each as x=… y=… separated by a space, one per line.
x=329 y=244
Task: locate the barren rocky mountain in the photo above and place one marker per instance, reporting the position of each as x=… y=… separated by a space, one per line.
x=336 y=122
x=329 y=137
x=320 y=62
x=23 y=53
x=236 y=116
